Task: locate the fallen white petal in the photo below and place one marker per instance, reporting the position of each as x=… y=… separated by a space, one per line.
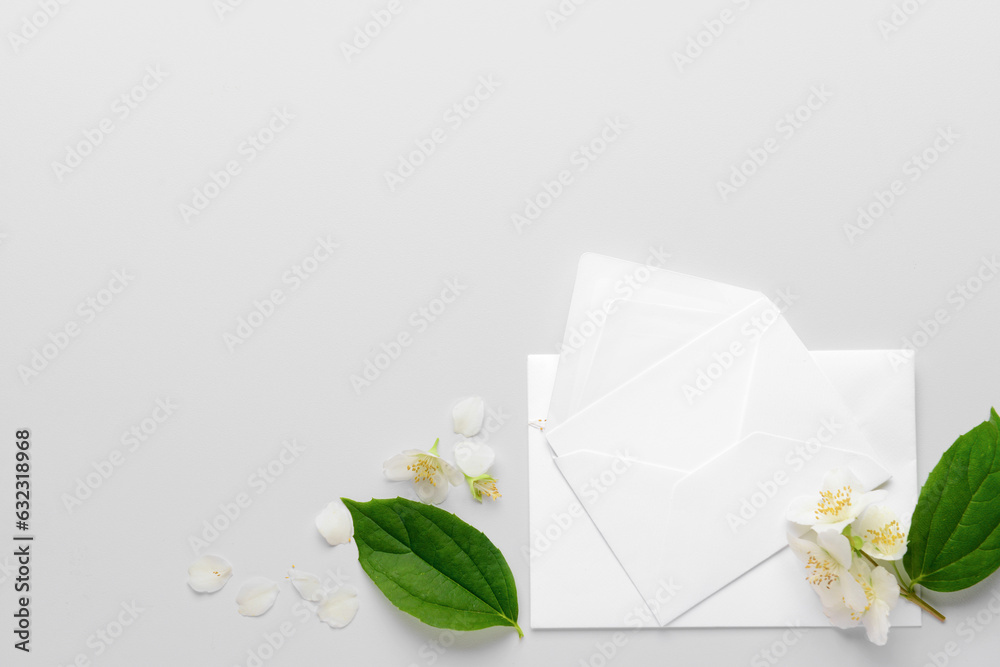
x=468 y=416
x=209 y=574
x=307 y=584
x=339 y=607
x=474 y=458
x=256 y=596
x=334 y=524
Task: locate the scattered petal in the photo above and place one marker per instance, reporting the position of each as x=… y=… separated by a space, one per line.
x=209 y=574
x=338 y=608
x=256 y=596
x=334 y=524
x=474 y=458
x=468 y=416
x=307 y=584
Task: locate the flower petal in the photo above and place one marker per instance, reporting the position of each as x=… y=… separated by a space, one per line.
x=876 y=622
x=307 y=584
x=338 y=609
x=885 y=586
x=334 y=524
x=474 y=458
x=209 y=574
x=396 y=469
x=468 y=416
x=451 y=473
x=432 y=492
x=838 y=546
x=256 y=596
x=802 y=510
x=883 y=534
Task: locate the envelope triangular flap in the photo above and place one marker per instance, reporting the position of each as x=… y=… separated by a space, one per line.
x=680 y=412
x=788 y=388
x=633 y=334
x=601 y=279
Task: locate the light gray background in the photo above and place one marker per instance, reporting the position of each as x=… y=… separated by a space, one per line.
x=654 y=187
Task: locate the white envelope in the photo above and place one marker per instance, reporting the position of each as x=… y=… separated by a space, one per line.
x=702 y=394
x=577 y=582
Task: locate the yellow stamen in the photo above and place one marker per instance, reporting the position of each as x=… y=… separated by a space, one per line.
x=886 y=537
x=424 y=468
x=831 y=503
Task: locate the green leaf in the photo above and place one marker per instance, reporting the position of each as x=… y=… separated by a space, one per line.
x=433 y=565
x=955 y=532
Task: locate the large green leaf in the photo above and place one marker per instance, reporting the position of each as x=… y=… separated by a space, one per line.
x=955 y=532
x=433 y=565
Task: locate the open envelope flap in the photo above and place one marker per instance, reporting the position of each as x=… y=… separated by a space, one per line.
x=601 y=279
x=683 y=536
x=791 y=396
x=666 y=415
x=632 y=334
x=750 y=373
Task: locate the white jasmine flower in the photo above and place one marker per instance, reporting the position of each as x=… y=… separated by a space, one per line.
x=881 y=532
x=338 y=608
x=839 y=502
x=474 y=458
x=828 y=562
x=483 y=485
x=881 y=593
x=430 y=473
x=468 y=416
x=334 y=524
x=307 y=584
x=209 y=574
x=256 y=596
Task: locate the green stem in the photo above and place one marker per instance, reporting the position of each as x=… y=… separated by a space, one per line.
x=906 y=592
x=520 y=634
